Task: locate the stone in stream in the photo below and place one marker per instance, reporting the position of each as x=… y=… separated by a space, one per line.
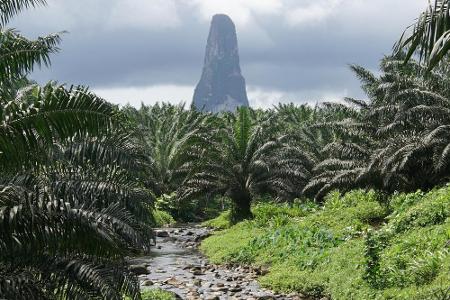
x=197 y=282
x=198 y=273
x=172 y=281
x=161 y=233
x=139 y=269
x=147 y=283
x=263 y=296
x=202 y=236
x=235 y=289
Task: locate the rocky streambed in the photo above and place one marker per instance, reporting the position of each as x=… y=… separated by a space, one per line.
x=176 y=265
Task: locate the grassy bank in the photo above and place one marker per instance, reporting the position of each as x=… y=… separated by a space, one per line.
x=155 y=294
x=357 y=246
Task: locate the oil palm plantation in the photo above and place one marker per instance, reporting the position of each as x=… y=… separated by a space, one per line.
x=241 y=162
x=395 y=141
x=71 y=208
x=169 y=133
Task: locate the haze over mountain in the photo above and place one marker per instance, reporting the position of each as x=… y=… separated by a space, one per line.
x=222 y=86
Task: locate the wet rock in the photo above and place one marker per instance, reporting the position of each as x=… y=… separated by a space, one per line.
x=172 y=281
x=197 y=282
x=161 y=233
x=261 y=271
x=198 y=273
x=235 y=289
x=148 y=283
x=202 y=236
x=264 y=297
x=139 y=269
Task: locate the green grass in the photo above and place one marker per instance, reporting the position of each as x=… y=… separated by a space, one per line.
x=221 y=222
x=354 y=247
x=155 y=294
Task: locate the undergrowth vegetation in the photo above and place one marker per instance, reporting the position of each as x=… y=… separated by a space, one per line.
x=359 y=245
x=82 y=181
x=162 y=218
x=155 y=294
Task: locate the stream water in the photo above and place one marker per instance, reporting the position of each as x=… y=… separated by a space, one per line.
x=176 y=265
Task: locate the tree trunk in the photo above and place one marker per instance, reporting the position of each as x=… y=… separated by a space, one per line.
x=241 y=206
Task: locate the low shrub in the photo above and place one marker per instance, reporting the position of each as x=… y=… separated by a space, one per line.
x=420 y=210
x=221 y=222
x=354 y=247
x=155 y=294
x=162 y=218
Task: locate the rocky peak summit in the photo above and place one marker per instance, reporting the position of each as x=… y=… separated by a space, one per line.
x=222 y=86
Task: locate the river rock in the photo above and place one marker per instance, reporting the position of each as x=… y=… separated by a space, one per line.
x=197 y=282
x=235 y=289
x=172 y=281
x=197 y=273
x=201 y=237
x=161 y=233
x=147 y=283
x=139 y=269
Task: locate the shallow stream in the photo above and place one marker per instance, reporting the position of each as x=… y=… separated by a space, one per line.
x=177 y=266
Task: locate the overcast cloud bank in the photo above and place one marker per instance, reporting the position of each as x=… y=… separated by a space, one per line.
x=152 y=50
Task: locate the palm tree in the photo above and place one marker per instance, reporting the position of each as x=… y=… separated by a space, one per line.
x=71 y=207
x=396 y=141
x=169 y=133
x=429 y=36
x=51 y=151
x=241 y=162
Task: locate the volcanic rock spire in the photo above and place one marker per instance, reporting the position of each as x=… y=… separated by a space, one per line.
x=221 y=87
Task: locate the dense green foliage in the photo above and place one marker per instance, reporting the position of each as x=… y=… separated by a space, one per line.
x=351 y=248
x=82 y=181
x=162 y=218
x=155 y=294
x=397 y=140
x=72 y=206
x=245 y=159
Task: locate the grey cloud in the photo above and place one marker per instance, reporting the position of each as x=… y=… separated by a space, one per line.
x=274 y=55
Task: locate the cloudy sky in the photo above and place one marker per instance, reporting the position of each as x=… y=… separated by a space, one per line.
x=133 y=51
